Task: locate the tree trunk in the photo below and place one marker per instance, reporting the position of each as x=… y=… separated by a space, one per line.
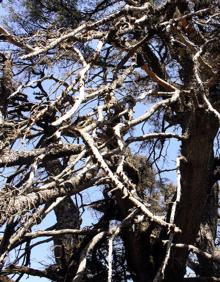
x=67 y=215
x=207 y=235
x=196 y=170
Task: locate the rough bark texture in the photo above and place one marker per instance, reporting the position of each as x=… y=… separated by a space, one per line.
x=68 y=217
x=196 y=183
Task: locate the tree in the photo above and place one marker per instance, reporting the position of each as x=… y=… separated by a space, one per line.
x=93 y=98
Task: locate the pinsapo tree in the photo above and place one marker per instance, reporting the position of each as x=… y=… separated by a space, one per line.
x=95 y=95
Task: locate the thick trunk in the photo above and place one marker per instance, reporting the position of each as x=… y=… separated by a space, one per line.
x=138 y=250
x=196 y=170
x=139 y=255
x=67 y=215
x=207 y=235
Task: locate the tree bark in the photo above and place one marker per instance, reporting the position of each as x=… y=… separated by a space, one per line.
x=207 y=235
x=196 y=170
x=67 y=215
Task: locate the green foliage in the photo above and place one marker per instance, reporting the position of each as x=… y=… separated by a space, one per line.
x=37 y=14
x=63 y=13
